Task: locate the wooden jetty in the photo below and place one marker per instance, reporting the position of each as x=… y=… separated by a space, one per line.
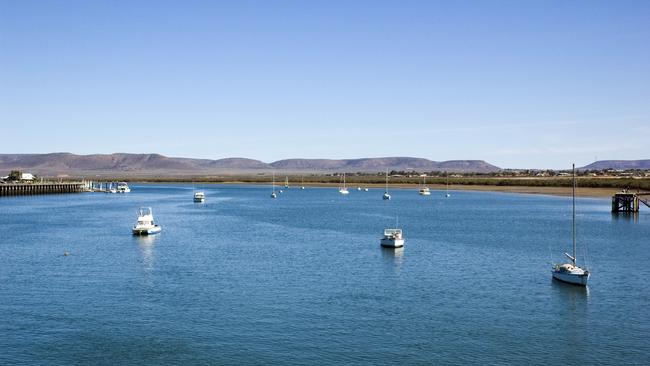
x=23 y=189
x=625 y=201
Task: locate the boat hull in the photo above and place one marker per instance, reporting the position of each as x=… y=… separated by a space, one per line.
x=574 y=279
x=392 y=243
x=199 y=200
x=147 y=231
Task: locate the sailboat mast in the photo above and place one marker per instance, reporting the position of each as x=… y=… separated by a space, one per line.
x=386 y=181
x=574 y=215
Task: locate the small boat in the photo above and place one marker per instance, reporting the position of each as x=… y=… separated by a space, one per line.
x=273 y=195
x=571 y=272
x=447 y=194
x=286 y=182
x=392 y=238
x=302 y=180
x=424 y=191
x=122 y=187
x=358 y=188
x=145 y=224
x=386 y=196
x=199 y=196
x=365 y=189
x=343 y=189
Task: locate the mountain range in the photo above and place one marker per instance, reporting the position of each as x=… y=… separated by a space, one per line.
x=150 y=164
x=618 y=165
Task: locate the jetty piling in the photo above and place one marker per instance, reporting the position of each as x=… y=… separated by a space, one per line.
x=626 y=201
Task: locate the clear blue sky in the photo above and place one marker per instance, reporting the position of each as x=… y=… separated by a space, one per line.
x=516 y=83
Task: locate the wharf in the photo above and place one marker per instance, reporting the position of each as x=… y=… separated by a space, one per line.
x=24 y=189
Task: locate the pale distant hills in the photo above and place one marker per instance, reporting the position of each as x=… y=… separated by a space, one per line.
x=618 y=165
x=156 y=164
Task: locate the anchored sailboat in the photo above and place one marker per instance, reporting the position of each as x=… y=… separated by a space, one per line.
x=343 y=189
x=386 y=196
x=273 y=195
x=571 y=272
x=424 y=190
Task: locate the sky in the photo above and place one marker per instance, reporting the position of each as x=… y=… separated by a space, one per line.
x=520 y=84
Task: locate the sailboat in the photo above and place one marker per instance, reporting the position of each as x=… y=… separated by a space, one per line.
x=424 y=191
x=571 y=272
x=447 y=194
x=286 y=182
x=302 y=182
x=273 y=195
x=386 y=196
x=199 y=196
x=343 y=189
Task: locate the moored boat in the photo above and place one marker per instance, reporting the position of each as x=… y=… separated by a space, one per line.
x=145 y=224
x=392 y=238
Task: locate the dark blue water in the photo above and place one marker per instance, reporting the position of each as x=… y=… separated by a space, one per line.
x=244 y=279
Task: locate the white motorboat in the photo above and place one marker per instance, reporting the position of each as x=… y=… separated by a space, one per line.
x=571 y=272
x=145 y=224
x=392 y=238
x=199 y=196
x=122 y=187
x=343 y=189
x=386 y=196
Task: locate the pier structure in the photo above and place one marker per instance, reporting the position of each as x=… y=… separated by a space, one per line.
x=625 y=201
x=24 y=189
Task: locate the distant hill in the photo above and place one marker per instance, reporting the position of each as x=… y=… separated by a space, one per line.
x=156 y=164
x=618 y=164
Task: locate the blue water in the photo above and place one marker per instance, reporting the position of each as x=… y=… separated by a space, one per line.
x=244 y=279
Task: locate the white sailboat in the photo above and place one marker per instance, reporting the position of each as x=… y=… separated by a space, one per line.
x=447 y=194
x=343 y=189
x=286 y=182
x=273 y=195
x=571 y=272
x=424 y=191
x=302 y=182
x=199 y=196
x=386 y=196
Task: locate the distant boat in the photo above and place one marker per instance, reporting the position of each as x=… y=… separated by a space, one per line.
x=343 y=189
x=447 y=194
x=273 y=195
x=392 y=238
x=199 y=196
x=286 y=182
x=386 y=196
x=365 y=189
x=302 y=182
x=424 y=191
x=571 y=272
x=145 y=224
x=122 y=187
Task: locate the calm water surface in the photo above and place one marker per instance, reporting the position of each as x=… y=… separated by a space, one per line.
x=244 y=279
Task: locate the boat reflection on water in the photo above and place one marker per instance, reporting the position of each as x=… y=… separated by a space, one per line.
x=146 y=246
x=393 y=256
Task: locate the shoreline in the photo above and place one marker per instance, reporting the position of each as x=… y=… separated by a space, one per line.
x=553 y=191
